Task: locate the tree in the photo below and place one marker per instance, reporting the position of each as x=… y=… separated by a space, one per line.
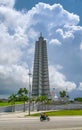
x=22 y=95
x=33 y=101
x=63 y=93
x=12 y=99
x=79 y=99
x=43 y=99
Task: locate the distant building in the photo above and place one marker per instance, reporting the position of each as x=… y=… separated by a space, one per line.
x=40 y=82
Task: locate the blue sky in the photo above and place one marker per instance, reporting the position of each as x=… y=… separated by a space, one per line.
x=70 y=5
x=60 y=22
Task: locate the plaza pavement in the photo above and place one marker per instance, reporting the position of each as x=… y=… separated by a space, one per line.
x=17 y=114
x=14 y=114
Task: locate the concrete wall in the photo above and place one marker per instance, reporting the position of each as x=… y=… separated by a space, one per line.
x=60 y=107
x=14 y=108
x=41 y=107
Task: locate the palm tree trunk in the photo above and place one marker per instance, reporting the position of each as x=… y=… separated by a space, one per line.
x=14 y=107
x=33 y=105
x=24 y=106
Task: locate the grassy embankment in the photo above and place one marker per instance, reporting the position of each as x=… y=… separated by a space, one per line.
x=51 y=113
x=8 y=104
x=62 y=113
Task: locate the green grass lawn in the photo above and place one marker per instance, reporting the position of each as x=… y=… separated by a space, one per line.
x=62 y=113
x=8 y=104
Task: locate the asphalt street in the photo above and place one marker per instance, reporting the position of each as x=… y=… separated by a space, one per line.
x=21 y=122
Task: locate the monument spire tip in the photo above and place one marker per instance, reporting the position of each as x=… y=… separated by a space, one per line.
x=40 y=34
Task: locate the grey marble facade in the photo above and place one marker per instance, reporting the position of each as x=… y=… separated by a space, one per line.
x=40 y=82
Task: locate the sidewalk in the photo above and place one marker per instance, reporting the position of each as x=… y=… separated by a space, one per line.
x=16 y=114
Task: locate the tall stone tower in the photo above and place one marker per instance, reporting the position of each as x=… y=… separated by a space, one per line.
x=40 y=82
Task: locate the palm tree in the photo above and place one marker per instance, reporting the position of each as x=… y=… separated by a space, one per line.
x=62 y=93
x=33 y=101
x=43 y=99
x=12 y=99
x=22 y=95
x=24 y=98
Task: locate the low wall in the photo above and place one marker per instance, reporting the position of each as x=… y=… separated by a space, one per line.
x=60 y=107
x=38 y=107
x=14 y=108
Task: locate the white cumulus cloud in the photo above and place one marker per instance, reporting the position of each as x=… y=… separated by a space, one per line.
x=55 y=42
x=80 y=86
x=59 y=81
x=13 y=78
x=8 y=3
x=18 y=32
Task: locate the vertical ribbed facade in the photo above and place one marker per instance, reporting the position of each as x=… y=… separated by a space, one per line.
x=40 y=82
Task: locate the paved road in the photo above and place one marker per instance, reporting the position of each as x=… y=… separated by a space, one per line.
x=33 y=123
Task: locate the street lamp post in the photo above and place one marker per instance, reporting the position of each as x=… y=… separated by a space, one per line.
x=29 y=90
x=53 y=94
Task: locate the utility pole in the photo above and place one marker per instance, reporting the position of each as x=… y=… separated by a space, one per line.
x=29 y=91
